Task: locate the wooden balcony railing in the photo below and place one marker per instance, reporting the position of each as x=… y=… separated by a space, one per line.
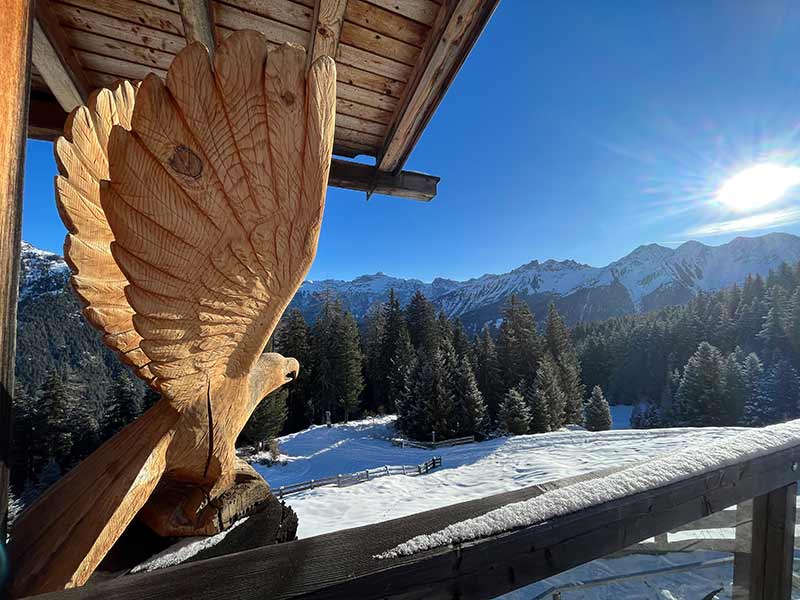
x=342 y=564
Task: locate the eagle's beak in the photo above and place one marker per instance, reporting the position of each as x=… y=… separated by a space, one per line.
x=292 y=369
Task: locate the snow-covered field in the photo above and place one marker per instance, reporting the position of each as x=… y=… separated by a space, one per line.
x=482 y=469
x=468 y=472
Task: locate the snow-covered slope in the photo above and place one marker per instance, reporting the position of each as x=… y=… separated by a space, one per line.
x=650 y=277
x=41 y=272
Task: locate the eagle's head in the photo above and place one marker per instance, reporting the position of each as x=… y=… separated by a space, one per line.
x=272 y=371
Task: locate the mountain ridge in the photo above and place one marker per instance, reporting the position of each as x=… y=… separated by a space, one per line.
x=649 y=277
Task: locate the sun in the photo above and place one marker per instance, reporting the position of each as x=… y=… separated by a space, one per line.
x=758 y=186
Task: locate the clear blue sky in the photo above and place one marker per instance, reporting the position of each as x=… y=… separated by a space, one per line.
x=575 y=129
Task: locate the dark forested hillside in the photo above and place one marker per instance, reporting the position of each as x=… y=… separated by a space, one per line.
x=716 y=345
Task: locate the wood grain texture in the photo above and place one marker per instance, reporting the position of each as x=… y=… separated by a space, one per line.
x=324 y=38
x=457 y=27
x=15 y=39
x=55 y=60
x=194 y=211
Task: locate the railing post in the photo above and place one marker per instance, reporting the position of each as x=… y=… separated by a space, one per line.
x=765 y=573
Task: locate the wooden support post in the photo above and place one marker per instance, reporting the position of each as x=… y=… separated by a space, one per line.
x=327 y=27
x=198 y=22
x=15 y=71
x=766 y=572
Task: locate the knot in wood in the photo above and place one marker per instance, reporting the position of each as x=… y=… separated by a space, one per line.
x=288 y=98
x=186 y=162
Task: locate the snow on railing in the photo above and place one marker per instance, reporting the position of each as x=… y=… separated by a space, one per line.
x=641 y=477
x=360 y=476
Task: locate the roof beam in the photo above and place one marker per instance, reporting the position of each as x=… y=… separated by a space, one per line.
x=455 y=31
x=366 y=178
x=326 y=30
x=55 y=60
x=198 y=22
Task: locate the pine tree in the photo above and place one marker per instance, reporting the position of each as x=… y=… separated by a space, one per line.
x=52 y=427
x=393 y=344
x=598 y=413
x=733 y=405
x=487 y=373
x=518 y=343
x=558 y=344
x=701 y=396
x=548 y=391
x=422 y=324
x=432 y=409
x=293 y=339
x=28 y=455
x=461 y=343
x=350 y=380
x=538 y=408
x=372 y=336
x=267 y=420
x=123 y=406
x=782 y=389
x=470 y=409
x=513 y=416
x=753 y=377
x=401 y=369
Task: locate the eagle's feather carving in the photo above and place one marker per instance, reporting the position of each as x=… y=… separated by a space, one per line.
x=193 y=208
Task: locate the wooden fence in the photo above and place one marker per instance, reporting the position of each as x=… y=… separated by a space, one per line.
x=359 y=477
x=433 y=445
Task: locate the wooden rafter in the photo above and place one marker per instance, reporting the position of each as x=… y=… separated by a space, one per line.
x=455 y=31
x=365 y=178
x=326 y=28
x=198 y=22
x=55 y=60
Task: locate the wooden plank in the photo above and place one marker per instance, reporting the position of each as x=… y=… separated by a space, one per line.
x=115 y=66
x=352 y=149
x=292 y=13
x=80 y=19
x=407 y=184
x=772 y=550
x=234 y=18
x=422 y=11
x=56 y=62
x=198 y=22
x=16 y=28
x=368 y=140
x=361 y=59
x=343 y=564
x=362 y=111
x=134 y=12
x=120 y=49
x=366 y=97
x=742 y=557
x=360 y=124
x=455 y=32
x=324 y=37
x=380 y=44
x=368 y=81
x=388 y=22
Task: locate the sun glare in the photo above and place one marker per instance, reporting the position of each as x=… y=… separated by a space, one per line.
x=758 y=186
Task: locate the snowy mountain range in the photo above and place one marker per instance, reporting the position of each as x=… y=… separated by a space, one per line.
x=650 y=277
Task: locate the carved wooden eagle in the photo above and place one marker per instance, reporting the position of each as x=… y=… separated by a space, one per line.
x=193 y=208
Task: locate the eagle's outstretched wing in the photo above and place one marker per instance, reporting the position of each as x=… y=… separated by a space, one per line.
x=215 y=200
x=82 y=157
